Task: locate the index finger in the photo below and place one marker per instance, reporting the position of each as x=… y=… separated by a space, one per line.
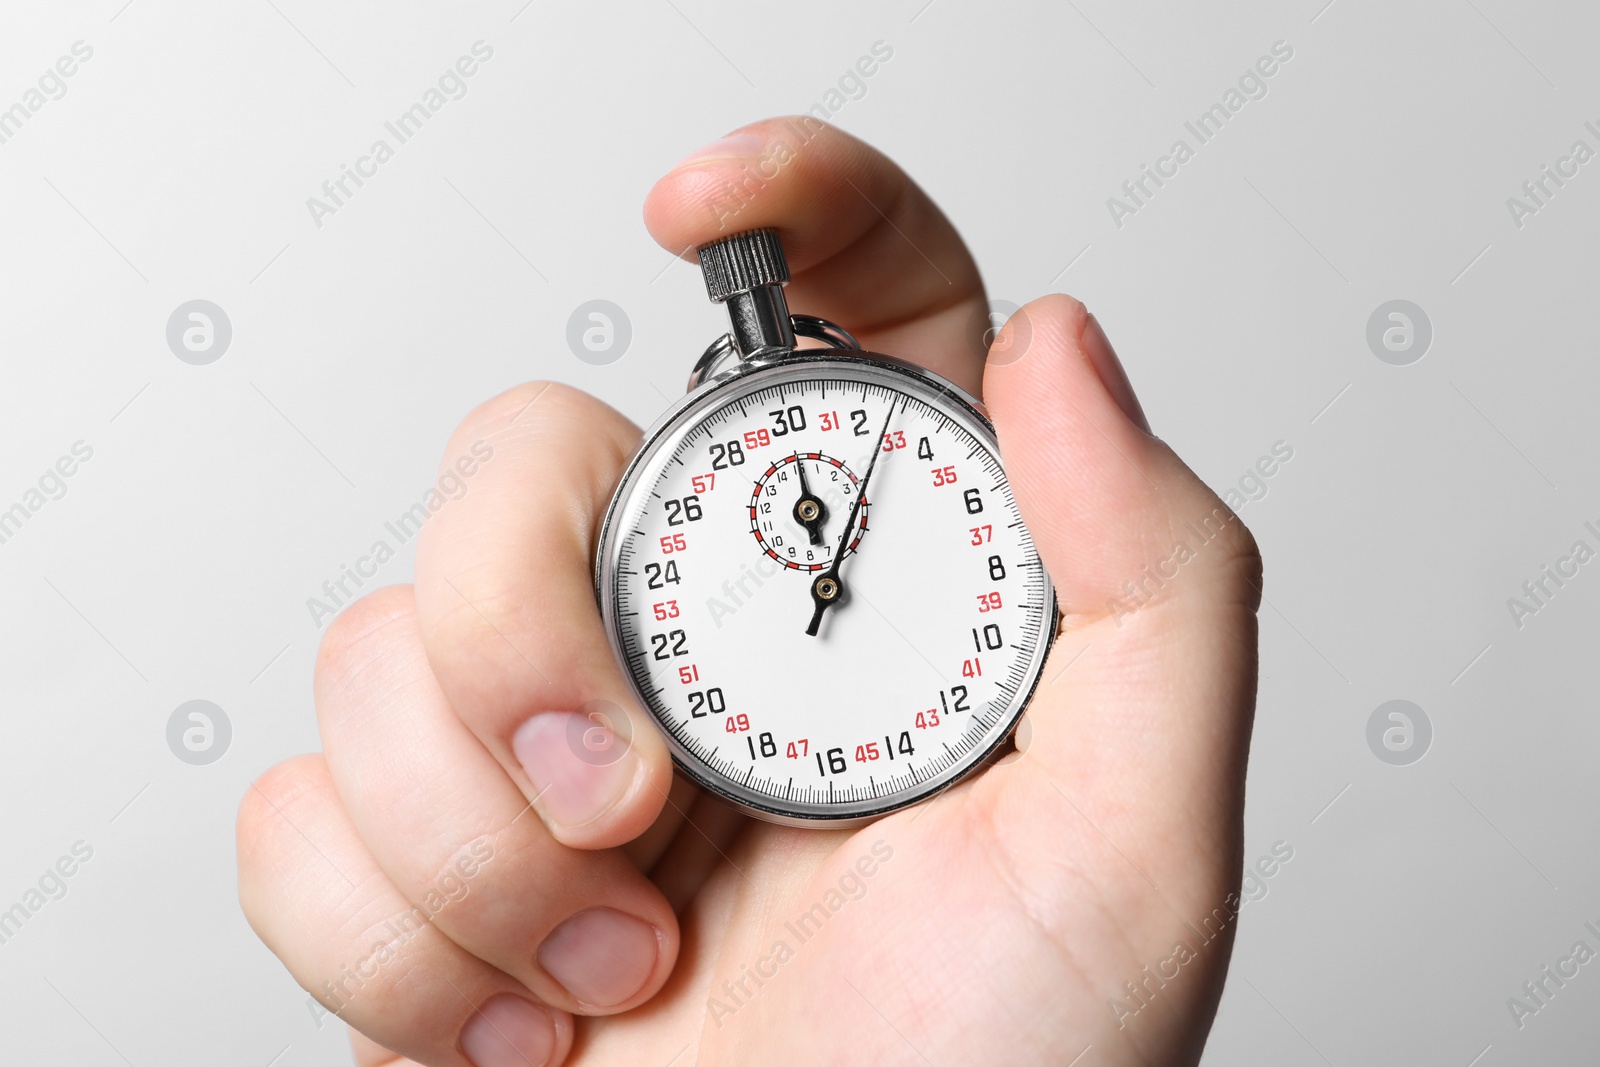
x=505 y=599
x=867 y=247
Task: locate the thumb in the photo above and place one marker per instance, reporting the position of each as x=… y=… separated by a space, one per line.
x=1106 y=501
x=1142 y=716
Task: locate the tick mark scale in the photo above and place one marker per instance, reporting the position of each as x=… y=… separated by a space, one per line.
x=783 y=649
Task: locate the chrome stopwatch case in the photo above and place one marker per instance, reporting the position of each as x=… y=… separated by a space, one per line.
x=814 y=572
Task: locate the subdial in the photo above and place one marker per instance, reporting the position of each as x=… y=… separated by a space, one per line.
x=794 y=504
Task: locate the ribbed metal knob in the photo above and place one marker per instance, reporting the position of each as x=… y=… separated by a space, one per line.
x=743 y=262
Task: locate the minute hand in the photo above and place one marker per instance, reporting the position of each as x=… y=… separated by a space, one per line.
x=829 y=579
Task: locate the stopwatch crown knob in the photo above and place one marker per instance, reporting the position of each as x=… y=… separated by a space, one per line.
x=743 y=262
x=745 y=273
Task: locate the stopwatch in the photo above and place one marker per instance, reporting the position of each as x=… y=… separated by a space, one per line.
x=814 y=572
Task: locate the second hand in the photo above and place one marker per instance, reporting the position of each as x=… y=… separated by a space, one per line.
x=829 y=587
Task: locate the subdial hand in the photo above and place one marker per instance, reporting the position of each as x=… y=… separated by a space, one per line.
x=808 y=510
x=829 y=587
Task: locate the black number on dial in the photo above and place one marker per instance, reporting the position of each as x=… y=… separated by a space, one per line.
x=700 y=703
x=991 y=638
x=784 y=421
x=679 y=642
x=657 y=578
x=685 y=510
x=835 y=765
x=725 y=456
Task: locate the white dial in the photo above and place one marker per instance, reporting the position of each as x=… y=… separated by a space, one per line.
x=812 y=651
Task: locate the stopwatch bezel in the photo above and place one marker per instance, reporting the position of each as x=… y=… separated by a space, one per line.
x=749 y=376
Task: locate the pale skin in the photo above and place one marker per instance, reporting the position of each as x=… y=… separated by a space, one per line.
x=620 y=918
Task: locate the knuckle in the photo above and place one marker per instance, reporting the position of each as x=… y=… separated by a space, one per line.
x=499 y=411
x=529 y=404
x=527 y=423
x=282 y=786
x=537 y=410
x=1233 y=568
x=296 y=783
x=360 y=633
x=1245 y=563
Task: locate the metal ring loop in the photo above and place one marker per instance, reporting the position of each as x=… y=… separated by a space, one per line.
x=818 y=329
x=719 y=350
x=822 y=330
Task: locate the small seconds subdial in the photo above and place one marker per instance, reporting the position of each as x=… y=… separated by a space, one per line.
x=938 y=611
x=797 y=506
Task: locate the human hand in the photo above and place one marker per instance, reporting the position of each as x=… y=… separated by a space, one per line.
x=625 y=918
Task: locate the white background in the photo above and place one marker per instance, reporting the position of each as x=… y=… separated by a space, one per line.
x=219 y=498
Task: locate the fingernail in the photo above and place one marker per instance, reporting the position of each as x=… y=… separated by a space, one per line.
x=601 y=956
x=733 y=146
x=579 y=766
x=509 y=1032
x=1098 y=348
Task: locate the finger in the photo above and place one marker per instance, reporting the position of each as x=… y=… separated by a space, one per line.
x=1098 y=492
x=705 y=835
x=505 y=597
x=318 y=900
x=582 y=930
x=868 y=249
x=649 y=846
x=1145 y=706
x=368 y=1053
